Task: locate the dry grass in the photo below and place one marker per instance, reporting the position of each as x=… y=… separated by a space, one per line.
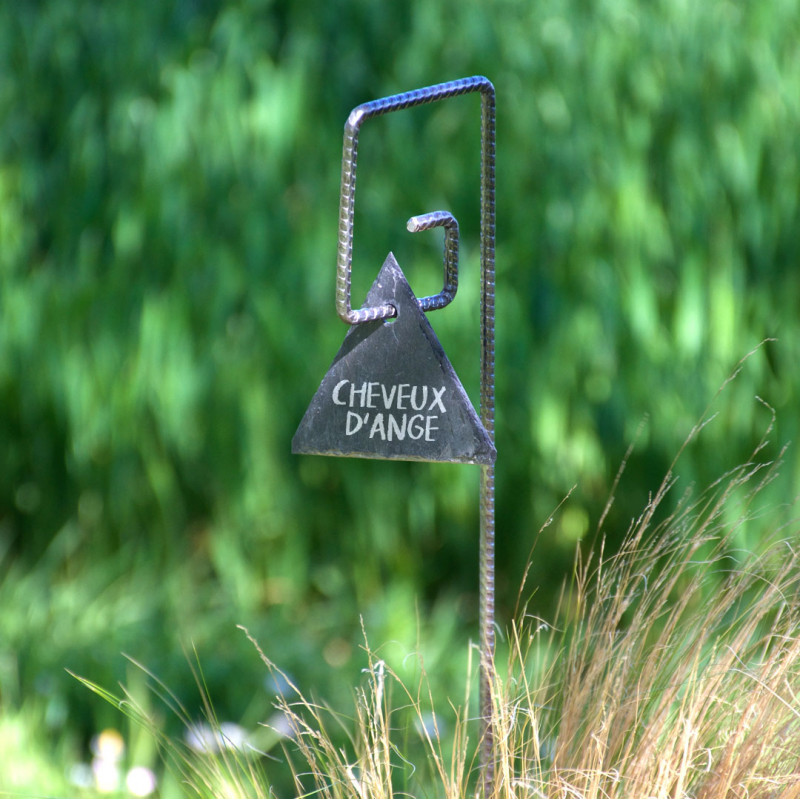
x=369 y=766
x=671 y=669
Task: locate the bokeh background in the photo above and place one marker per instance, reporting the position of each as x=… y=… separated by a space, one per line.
x=169 y=185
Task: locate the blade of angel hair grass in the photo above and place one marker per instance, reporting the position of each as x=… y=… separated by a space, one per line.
x=368 y=770
x=518 y=608
x=373 y=738
x=223 y=771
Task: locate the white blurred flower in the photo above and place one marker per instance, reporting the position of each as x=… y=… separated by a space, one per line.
x=141 y=781
x=81 y=775
x=277 y=683
x=202 y=738
x=281 y=724
x=106 y=775
x=108 y=745
x=430 y=724
x=108 y=748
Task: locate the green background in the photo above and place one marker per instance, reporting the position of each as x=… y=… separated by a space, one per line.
x=169 y=185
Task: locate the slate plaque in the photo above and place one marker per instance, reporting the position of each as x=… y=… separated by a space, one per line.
x=391 y=391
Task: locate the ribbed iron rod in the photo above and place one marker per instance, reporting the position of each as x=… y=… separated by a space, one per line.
x=352 y=316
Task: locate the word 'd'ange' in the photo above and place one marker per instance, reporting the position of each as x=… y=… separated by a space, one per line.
x=391 y=391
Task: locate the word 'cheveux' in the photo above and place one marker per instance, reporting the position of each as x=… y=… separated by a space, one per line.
x=397 y=411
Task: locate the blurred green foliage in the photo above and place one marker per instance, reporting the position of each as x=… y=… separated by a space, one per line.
x=169 y=177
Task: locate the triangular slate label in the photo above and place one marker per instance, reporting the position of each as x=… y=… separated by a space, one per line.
x=391 y=391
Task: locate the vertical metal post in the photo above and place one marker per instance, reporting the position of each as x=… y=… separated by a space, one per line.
x=487 y=394
x=487 y=643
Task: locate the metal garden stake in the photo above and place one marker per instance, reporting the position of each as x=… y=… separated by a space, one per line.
x=391 y=392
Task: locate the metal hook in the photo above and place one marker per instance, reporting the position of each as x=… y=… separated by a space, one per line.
x=440 y=219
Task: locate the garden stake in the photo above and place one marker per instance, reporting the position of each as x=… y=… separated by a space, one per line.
x=391 y=392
